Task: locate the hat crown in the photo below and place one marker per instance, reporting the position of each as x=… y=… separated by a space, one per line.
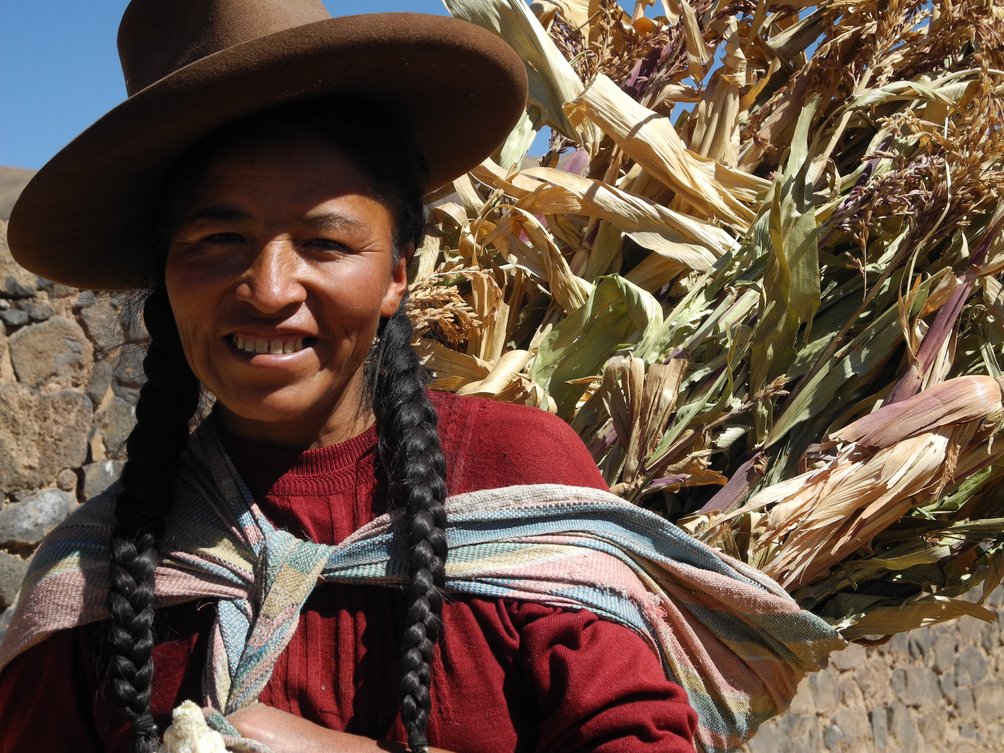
x=157 y=38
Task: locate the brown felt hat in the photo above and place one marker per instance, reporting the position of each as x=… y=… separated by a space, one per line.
x=192 y=66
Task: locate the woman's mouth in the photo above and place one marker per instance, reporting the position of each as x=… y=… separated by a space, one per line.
x=275 y=345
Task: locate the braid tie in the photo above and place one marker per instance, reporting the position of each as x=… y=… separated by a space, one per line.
x=167 y=401
x=413 y=460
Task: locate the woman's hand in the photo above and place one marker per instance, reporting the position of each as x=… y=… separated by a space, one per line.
x=286 y=733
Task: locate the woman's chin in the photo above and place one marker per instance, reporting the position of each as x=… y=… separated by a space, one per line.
x=280 y=418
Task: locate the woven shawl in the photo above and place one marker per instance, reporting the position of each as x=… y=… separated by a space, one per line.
x=735 y=641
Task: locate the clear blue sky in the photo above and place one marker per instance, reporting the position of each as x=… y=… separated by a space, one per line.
x=59 y=68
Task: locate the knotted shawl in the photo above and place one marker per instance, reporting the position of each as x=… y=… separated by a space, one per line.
x=735 y=641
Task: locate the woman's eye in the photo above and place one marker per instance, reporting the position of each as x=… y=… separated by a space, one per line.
x=327 y=244
x=223 y=238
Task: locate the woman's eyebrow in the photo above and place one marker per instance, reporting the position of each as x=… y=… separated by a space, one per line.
x=334 y=221
x=220 y=212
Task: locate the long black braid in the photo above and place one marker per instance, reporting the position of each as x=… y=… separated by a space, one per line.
x=167 y=402
x=410 y=452
x=412 y=457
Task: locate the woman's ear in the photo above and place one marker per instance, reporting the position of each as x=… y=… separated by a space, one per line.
x=398 y=285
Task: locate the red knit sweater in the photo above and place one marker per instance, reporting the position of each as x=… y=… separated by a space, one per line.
x=509 y=676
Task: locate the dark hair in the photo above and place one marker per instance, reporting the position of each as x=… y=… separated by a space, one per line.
x=410 y=453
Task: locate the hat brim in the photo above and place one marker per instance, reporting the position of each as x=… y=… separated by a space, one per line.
x=85 y=218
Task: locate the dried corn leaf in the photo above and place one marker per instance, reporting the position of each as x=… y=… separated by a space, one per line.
x=966 y=398
x=552 y=79
x=540 y=256
x=879 y=621
x=862 y=273
x=559 y=192
x=698 y=58
x=616 y=316
x=791 y=283
x=716 y=118
x=702 y=185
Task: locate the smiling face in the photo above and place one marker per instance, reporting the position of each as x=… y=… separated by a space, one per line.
x=278 y=274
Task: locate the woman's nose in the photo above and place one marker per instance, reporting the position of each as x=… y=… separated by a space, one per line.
x=271 y=283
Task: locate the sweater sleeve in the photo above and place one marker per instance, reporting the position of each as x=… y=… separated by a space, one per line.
x=46 y=701
x=52 y=699
x=600 y=687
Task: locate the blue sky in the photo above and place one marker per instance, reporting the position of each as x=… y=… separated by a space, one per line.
x=60 y=68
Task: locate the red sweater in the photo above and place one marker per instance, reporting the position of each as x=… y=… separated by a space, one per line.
x=508 y=676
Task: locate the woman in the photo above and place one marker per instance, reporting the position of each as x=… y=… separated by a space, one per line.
x=285 y=564
x=265 y=178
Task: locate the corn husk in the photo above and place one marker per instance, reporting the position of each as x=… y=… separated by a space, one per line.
x=760 y=272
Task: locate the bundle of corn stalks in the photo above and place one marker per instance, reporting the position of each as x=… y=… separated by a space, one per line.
x=759 y=271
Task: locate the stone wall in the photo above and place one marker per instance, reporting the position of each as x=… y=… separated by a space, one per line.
x=935 y=690
x=67 y=391
x=68 y=385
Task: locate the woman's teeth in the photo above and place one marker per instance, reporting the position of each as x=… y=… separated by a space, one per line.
x=249 y=345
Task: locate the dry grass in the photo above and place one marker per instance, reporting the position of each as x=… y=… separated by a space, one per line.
x=776 y=319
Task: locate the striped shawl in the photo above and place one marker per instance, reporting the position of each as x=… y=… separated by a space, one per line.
x=728 y=634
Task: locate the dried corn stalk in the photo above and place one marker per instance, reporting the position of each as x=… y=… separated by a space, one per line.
x=760 y=272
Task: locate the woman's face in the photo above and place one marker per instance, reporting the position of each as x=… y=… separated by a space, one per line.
x=278 y=275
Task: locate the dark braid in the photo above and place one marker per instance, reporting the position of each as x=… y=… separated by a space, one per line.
x=167 y=402
x=413 y=460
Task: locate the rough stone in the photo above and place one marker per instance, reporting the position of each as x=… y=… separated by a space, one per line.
x=12 y=570
x=989 y=641
x=849 y=658
x=6 y=367
x=854 y=726
x=945 y=646
x=101 y=381
x=903 y=729
x=969 y=629
x=880 y=727
x=802 y=702
x=56 y=352
x=933 y=725
x=56 y=289
x=965 y=703
x=38 y=312
x=823 y=688
x=833 y=738
x=115 y=420
x=14 y=317
x=99 y=476
x=15 y=280
x=42 y=434
x=899 y=643
x=875 y=684
x=67 y=480
x=898 y=683
x=802 y=733
x=919 y=643
x=990 y=701
x=101 y=322
x=947 y=684
x=25 y=523
x=850 y=690
x=971 y=666
x=921 y=687
x=770 y=739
